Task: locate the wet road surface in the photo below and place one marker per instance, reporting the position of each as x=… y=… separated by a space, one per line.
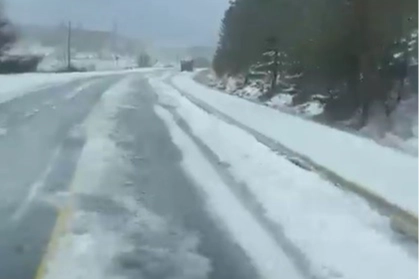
x=36 y=152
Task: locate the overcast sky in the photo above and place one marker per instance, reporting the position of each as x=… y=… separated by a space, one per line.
x=163 y=21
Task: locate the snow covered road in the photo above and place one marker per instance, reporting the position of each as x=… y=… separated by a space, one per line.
x=95 y=189
x=121 y=176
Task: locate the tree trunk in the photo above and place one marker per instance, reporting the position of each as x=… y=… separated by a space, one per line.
x=274 y=76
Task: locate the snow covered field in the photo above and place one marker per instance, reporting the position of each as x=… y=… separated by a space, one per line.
x=382 y=171
x=89 y=62
x=55 y=59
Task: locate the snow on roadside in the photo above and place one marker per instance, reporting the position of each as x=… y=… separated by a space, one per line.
x=280 y=101
x=262 y=250
x=283 y=103
x=310 y=109
x=382 y=171
x=403 y=141
x=254 y=90
x=16 y=85
x=109 y=234
x=338 y=232
x=411 y=145
x=12 y=86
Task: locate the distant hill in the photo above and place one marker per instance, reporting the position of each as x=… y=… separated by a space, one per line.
x=82 y=40
x=172 y=54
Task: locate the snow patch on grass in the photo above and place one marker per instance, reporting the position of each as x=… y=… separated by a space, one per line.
x=280 y=101
x=311 y=108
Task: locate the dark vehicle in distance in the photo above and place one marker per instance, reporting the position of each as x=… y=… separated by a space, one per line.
x=187 y=65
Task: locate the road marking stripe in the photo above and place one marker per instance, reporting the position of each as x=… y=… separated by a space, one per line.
x=60 y=227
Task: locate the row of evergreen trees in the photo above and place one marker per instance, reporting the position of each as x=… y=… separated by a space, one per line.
x=7 y=34
x=343 y=48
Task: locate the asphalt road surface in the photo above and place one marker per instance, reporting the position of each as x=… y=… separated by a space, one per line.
x=38 y=158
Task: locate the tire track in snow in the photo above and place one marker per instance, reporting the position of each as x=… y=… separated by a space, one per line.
x=271 y=262
x=376 y=202
x=394 y=237
x=246 y=198
x=402 y=222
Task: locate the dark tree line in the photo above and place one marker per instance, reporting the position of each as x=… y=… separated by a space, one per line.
x=7 y=34
x=344 y=49
x=8 y=63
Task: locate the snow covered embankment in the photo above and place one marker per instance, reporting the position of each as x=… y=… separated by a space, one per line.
x=380 y=171
x=253 y=91
x=338 y=233
x=398 y=131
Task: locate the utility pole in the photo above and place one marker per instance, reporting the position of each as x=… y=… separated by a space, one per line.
x=69 y=46
x=114 y=47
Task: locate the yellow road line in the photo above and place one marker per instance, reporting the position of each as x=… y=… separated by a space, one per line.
x=60 y=227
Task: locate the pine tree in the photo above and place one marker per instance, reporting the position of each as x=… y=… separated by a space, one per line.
x=343 y=48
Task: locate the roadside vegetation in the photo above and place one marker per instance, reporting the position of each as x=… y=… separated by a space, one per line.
x=352 y=55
